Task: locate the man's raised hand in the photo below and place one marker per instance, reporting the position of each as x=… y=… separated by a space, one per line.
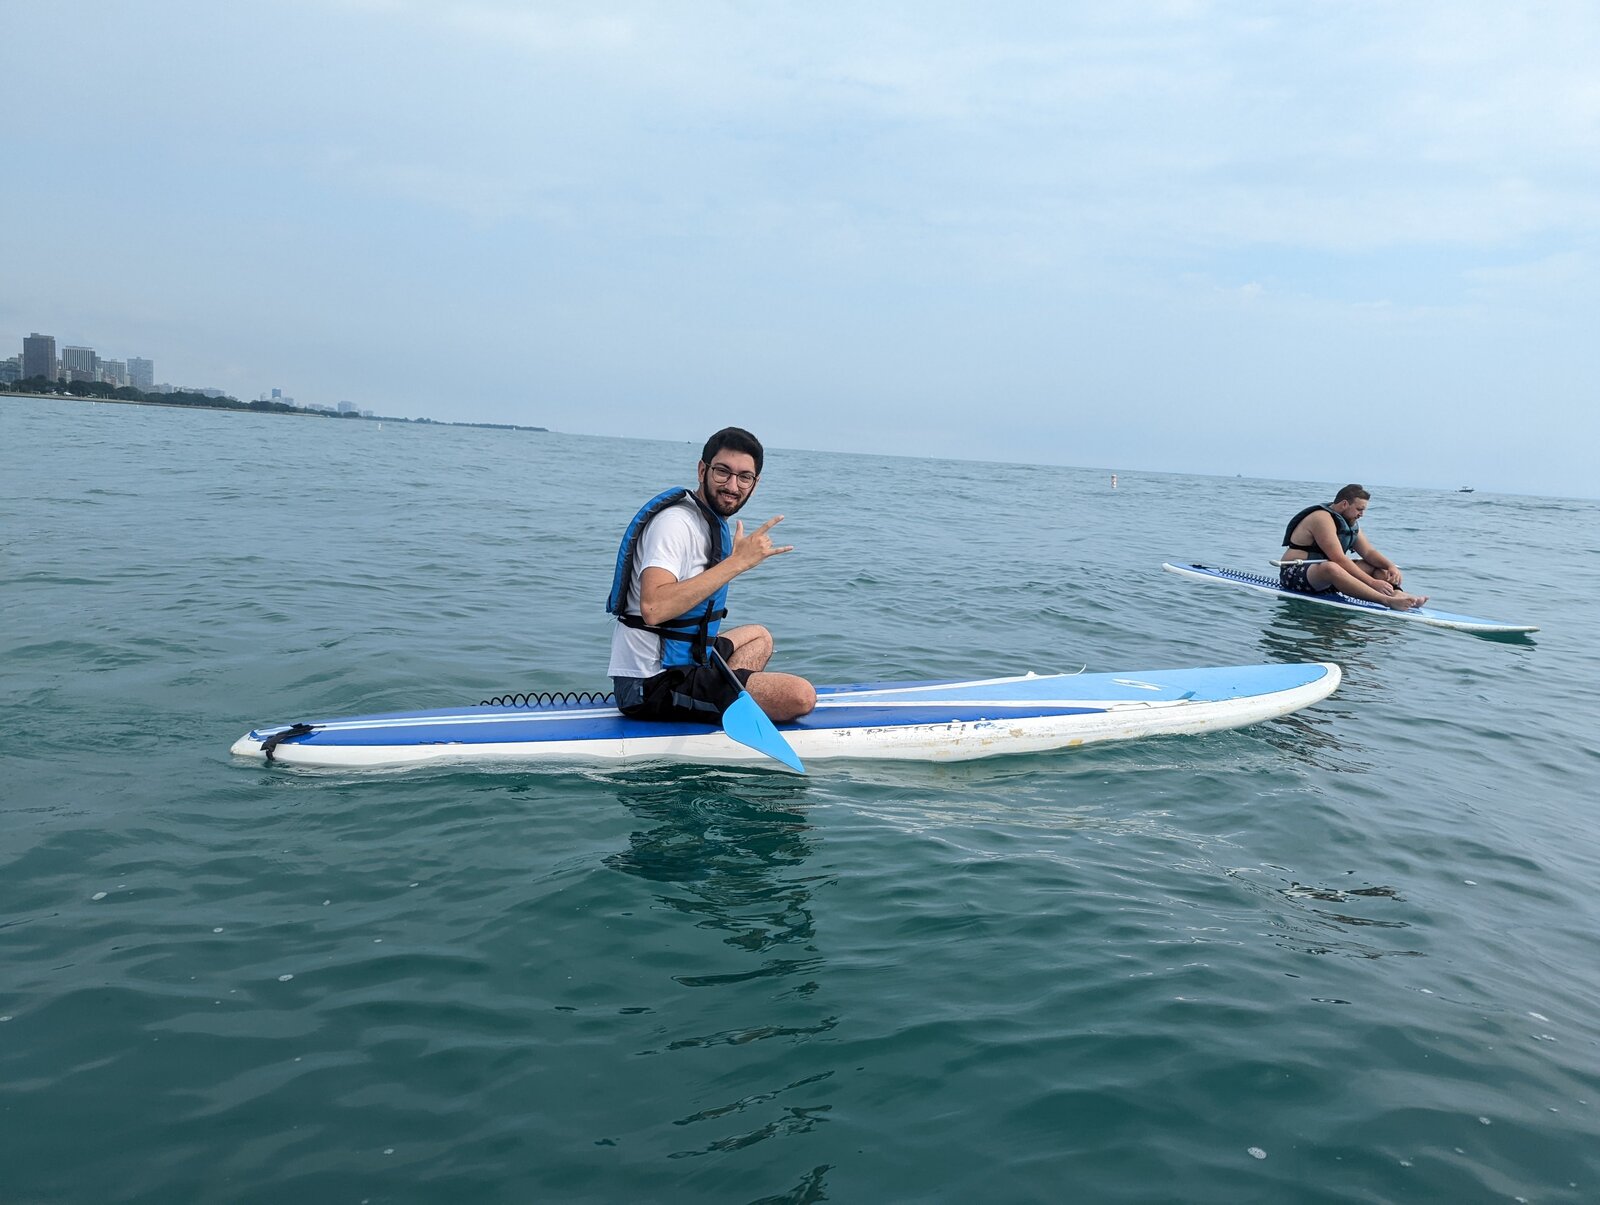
x=757 y=546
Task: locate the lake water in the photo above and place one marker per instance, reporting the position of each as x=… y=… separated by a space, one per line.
x=1348 y=955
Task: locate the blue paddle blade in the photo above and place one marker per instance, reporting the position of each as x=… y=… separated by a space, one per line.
x=745 y=722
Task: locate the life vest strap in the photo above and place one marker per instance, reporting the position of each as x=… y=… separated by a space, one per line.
x=694 y=632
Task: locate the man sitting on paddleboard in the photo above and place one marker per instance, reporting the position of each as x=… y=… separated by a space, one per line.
x=1331 y=532
x=669 y=593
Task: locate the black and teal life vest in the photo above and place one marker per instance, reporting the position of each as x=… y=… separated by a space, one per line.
x=1347 y=531
x=683 y=639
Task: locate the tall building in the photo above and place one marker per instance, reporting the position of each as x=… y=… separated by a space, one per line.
x=141 y=373
x=39 y=356
x=10 y=370
x=80 y=364
x=113 y=372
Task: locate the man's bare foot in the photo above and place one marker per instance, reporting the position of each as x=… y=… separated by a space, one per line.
x=1404 y=602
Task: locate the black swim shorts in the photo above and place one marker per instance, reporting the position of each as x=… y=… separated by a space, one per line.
x=683 y=694
x=1295 y=575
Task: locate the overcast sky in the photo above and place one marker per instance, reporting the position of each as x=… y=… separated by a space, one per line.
x=1317 y=240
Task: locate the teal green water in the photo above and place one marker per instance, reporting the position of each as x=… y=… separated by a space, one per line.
x=1348 y=955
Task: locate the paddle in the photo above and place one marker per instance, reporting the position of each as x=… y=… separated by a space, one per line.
x=745 y=722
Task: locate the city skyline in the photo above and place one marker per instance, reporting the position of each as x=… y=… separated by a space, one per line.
x=82 y=362
x=75 y=362
x=80 y=373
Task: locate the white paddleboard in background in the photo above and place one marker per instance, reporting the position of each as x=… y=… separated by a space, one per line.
x=1431 y=616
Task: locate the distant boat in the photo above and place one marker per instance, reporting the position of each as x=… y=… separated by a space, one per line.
x=1466 y=489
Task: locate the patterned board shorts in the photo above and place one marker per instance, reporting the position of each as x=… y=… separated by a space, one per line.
x=685 y=694
x=1295 y=575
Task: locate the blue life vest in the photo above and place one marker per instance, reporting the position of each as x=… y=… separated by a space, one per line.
x=1347 y=531
x=684 y=638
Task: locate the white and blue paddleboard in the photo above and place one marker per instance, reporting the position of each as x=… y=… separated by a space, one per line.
x=1332 y=598
x=907 y=721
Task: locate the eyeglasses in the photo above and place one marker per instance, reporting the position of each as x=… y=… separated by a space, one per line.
x=721 y=474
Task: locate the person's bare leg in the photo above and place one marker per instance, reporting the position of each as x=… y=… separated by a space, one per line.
x=1328 y=576
x=782 y=696
x=752 y=647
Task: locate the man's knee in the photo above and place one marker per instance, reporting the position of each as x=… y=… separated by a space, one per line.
x=752 y=647
x=783 y=696
x=804 y=697
x=1324 y=576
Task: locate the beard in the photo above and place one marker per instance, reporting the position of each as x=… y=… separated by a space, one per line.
x=709 y=495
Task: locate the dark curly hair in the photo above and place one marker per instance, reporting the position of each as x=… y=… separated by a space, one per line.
x=734 y=439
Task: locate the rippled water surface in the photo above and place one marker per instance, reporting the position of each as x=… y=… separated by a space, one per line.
x=1348 y=955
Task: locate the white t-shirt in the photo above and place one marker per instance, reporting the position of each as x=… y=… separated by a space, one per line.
x=675 y=540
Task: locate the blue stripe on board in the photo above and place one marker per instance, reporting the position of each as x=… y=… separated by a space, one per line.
x=617 y=727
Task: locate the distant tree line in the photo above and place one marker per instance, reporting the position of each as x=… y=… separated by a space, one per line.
x=186 y=397
x=127 y=393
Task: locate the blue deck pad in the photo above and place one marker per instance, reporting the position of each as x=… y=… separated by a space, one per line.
x=862 y=705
